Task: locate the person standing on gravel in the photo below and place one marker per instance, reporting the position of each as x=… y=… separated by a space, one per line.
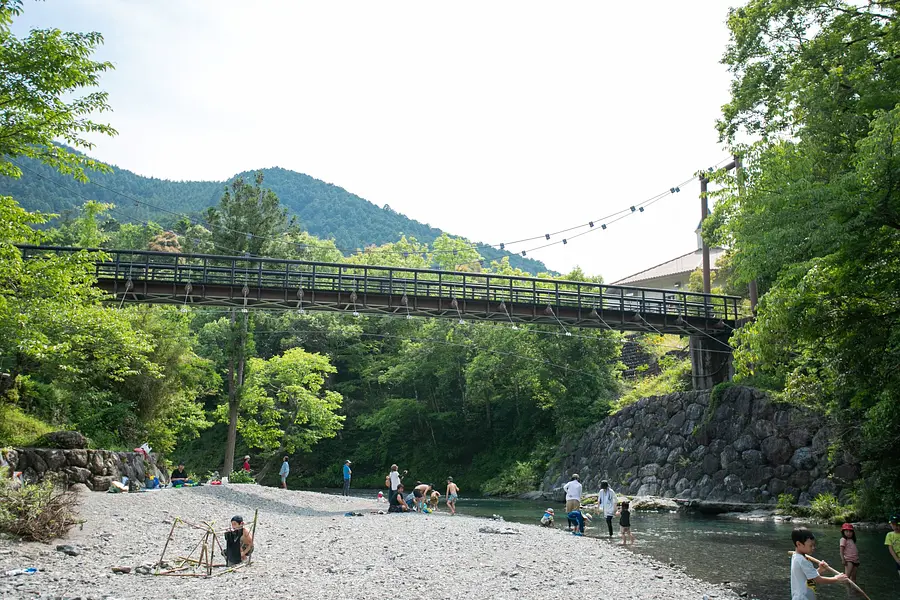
x=347 y=473
x=606 y=499
x=573 y=499
x=395 y=478
x=285 y=469
x=452 y=495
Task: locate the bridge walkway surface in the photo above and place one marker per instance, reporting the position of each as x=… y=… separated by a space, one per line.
x=268 y=283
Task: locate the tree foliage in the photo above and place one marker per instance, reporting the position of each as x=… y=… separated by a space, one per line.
x=40 y=82
x=818 y=219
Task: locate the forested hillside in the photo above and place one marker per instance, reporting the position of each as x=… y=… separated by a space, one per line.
x=324 y=210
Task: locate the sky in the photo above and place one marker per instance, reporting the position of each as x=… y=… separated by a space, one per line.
x=496 y=120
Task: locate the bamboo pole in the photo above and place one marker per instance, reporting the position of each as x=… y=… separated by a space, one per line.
x=818 y=562
x=253 y=535
x=168 y=539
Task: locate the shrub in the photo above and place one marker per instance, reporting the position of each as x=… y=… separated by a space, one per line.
x=241 y=477
x=37 y=512
x=18 y=429
x=520 y=479
x=826 y=506
x=785 y=503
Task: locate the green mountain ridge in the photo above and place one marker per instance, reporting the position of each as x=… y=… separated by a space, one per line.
x=324 y=209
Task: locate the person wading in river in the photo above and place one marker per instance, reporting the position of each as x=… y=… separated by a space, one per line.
x=606 y=498
x=573 y=499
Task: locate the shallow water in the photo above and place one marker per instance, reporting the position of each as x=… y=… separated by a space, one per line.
x=751 y=555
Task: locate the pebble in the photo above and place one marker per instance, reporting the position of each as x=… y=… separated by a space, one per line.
x=306 y=548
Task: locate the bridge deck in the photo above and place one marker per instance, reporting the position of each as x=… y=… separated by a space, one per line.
x=204 y=280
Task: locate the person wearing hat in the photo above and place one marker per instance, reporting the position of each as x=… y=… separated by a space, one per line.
x=247 y=463
x=347 y=473
x=849 y=552
x=892 y=540
x=606 y=498
x=547 y=519
x=238 y=542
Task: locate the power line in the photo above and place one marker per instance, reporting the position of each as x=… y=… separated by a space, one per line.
x=472 y=246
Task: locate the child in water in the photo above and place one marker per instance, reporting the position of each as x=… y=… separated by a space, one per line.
x=547 y=519
x=849 y=552
x=625 y=523
x=804 y=576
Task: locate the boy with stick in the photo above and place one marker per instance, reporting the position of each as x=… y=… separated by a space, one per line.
x=804 y=576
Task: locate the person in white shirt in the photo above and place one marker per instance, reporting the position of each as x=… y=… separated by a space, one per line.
x=606 y=498
x=573 y=497
x=395 y=479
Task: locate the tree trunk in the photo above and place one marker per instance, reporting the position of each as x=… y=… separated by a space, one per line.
x=232 y=413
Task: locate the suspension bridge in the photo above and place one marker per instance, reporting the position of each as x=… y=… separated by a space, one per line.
x=133 y=276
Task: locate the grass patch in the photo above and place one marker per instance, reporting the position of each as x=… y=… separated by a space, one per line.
x=18 y=429
x=674 y=376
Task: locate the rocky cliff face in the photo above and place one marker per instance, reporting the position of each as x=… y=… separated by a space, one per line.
x=741 y=448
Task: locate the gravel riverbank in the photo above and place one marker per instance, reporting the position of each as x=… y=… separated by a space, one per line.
x=305 y=546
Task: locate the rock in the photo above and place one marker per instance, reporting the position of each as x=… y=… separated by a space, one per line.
x=803 y=459
x=744 y=443
x=776 y=450
x=122 y=570
x=79 y=488
x=101 y=483
x=821 y=486
x=497 y=531
x=752 y=458
x=649 y=503
x=54 y=459
x=62 y=440
x=68 y=550
x=77 y=475
x=847 y=472
x=799 y=437
x=710 y=464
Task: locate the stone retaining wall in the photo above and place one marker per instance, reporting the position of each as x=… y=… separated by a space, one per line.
x=745 y=449
x=94 y=468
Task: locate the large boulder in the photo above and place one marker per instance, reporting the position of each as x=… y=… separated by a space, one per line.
x=63 y=440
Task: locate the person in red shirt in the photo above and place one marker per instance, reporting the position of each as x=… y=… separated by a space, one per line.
x=247 y=463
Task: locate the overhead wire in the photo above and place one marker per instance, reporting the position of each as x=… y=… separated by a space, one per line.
x=472 y=246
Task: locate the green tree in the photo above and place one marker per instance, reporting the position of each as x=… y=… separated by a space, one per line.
x=818 y=219
x=249 y=219
x=285 y=406
x=40 y=82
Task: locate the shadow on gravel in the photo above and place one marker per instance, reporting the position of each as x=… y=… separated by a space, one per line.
x=244 y=494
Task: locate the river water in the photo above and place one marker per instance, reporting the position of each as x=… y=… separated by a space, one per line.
x=753 y=556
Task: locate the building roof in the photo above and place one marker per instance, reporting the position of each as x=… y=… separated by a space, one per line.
x=685 y=263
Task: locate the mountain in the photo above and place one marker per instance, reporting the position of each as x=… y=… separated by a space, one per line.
x=325 y=210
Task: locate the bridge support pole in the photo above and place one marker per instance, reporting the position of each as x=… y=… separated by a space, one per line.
x=711 y=360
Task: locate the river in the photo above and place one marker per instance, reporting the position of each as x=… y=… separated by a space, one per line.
x=751 y=555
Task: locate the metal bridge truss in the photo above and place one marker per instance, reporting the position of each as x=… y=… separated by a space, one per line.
x=266 y=283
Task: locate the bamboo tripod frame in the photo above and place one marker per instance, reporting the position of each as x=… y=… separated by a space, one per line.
x=204 y=563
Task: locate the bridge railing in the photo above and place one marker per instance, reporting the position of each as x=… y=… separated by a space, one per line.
x=365 y=280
